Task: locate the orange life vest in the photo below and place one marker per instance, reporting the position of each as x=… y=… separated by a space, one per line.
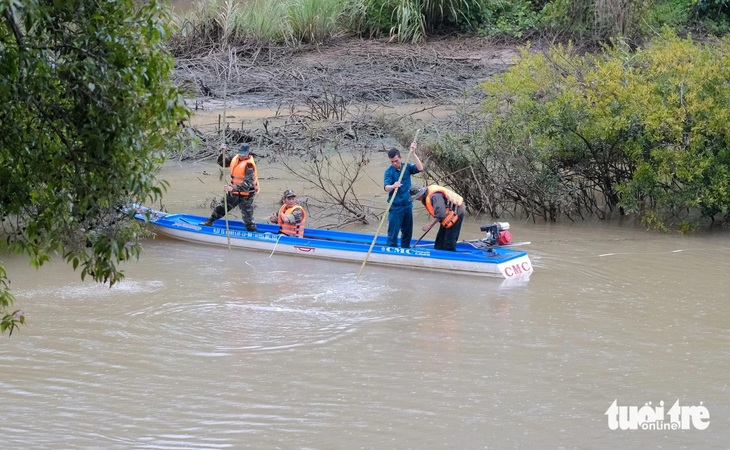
x=238 y=173
x=292 y=229
x=453 y=201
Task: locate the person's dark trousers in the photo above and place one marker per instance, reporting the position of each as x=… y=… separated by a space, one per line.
x=231 y=201
x=400 y=220
x=446 y=238
x=246 y=204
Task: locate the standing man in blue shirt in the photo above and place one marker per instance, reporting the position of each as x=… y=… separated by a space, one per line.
x=400 y=215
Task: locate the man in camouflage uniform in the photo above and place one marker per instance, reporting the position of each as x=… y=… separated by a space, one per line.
x=241 y=191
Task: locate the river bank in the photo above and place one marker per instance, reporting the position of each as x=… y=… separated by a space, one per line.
x=359 y=71
x=351 y=89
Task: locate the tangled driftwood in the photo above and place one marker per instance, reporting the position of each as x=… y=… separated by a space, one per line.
x=358 y=71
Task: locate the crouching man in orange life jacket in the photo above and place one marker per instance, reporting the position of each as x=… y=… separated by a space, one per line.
x=447 y=208
x=291 y=216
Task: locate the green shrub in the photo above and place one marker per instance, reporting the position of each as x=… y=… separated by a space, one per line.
x=505 y=17
x=412 y=20
x=263 y=21
x=673 y=13
x=314 y=20
x=643 y=133
x=596 y=21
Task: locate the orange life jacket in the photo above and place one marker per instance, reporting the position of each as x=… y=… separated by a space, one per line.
x=238 y=173
x=292 y=229
x=453 y=201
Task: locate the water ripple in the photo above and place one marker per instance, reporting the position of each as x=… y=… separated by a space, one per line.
x=312 y=312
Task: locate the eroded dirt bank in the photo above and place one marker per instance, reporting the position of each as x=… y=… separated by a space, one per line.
x=353 y=69
x=356 y=92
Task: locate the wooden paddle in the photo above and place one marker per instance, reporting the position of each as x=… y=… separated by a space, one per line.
x=390 y=203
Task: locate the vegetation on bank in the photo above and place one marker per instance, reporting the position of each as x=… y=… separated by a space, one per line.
x=293 y=22
x=643 y=133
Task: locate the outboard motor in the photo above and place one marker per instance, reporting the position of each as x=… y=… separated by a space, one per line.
x=497 y=234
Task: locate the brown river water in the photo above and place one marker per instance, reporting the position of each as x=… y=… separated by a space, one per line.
x=203 y=347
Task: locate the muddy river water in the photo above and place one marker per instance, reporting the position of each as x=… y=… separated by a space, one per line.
x=209 y=348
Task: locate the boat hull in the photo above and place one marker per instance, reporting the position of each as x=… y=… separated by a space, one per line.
x=342 y=246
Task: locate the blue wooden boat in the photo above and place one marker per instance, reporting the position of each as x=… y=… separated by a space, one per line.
x=478 y=257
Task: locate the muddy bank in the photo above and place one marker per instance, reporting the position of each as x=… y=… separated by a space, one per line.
x=352 y=91
x=357 y=71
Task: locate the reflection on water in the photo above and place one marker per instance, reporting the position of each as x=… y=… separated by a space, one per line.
x=210 y=348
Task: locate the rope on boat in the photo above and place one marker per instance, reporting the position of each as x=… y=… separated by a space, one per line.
x=270 y=255
x=277 y=243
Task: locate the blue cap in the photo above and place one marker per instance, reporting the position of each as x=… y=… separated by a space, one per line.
x=243 y=150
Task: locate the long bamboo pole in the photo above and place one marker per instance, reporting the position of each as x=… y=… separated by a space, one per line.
x=390 y=203
x=223 y=146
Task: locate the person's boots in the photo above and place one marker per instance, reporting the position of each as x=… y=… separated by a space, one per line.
x=208 y=222
x=251 y=227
